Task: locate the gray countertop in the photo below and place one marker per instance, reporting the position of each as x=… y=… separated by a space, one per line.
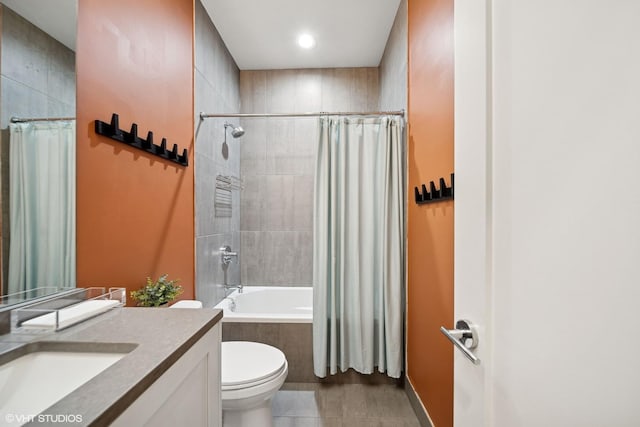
x=158 y=337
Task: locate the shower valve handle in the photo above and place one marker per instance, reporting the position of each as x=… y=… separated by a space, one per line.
x=226 y=255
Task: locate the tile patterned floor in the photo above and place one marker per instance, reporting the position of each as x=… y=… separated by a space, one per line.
x=338 y=405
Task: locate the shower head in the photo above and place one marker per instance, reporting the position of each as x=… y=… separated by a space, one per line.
x=236 y=131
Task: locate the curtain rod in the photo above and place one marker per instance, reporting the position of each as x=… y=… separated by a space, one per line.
x=39 y=119
x=319 y=114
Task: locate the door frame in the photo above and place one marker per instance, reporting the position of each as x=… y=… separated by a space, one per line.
x=473 y=223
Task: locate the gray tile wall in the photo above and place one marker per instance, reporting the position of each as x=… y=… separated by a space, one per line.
x=37 y=73
x=393 y=66
x=216 y=90
x=276 y=219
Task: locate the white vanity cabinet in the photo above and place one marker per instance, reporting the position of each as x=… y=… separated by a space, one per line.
x=188 y=393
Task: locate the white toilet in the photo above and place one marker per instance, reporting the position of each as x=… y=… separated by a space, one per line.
x=252 y=373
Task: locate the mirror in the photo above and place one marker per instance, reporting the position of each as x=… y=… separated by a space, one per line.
x=37 y=157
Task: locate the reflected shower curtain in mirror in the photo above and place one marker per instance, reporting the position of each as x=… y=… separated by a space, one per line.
x=42 y=189
x=358 y=261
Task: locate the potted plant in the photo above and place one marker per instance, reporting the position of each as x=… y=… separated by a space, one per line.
x=157 y=293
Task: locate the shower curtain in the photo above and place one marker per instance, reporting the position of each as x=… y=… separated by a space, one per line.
x=358 y=261
x=42 y=174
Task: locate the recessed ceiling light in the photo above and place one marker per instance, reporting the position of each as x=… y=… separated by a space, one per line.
x=306 y=41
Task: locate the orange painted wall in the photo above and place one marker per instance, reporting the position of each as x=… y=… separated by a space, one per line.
x=135 y=211
x=430 y=227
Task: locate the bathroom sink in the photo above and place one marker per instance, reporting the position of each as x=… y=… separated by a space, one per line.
x=32 y=382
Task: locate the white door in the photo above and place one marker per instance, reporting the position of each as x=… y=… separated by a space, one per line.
x=547 y=231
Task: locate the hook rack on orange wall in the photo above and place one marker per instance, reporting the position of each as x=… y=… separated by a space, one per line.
x=435 y=194
x=113 y=131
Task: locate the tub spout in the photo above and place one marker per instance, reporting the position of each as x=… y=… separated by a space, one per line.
x=238 y=287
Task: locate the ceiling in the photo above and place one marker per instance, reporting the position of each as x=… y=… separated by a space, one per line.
x=262 y=34
x=56 y=18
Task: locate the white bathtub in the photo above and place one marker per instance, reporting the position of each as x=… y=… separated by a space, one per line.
x=269 y=304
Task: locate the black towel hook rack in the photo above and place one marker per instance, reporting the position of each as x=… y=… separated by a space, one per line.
x=112 y=130
x=434 y=194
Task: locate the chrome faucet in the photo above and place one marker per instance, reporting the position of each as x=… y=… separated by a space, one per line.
x=226 y=256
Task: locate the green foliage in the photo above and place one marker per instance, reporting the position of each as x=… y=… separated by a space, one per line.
x=154 y=294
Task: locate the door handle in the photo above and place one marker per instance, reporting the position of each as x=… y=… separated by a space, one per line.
x=465 y=337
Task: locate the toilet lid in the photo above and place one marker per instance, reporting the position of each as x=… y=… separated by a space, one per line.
x=248 y=363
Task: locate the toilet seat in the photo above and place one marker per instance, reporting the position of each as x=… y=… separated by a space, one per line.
x=249 y=364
